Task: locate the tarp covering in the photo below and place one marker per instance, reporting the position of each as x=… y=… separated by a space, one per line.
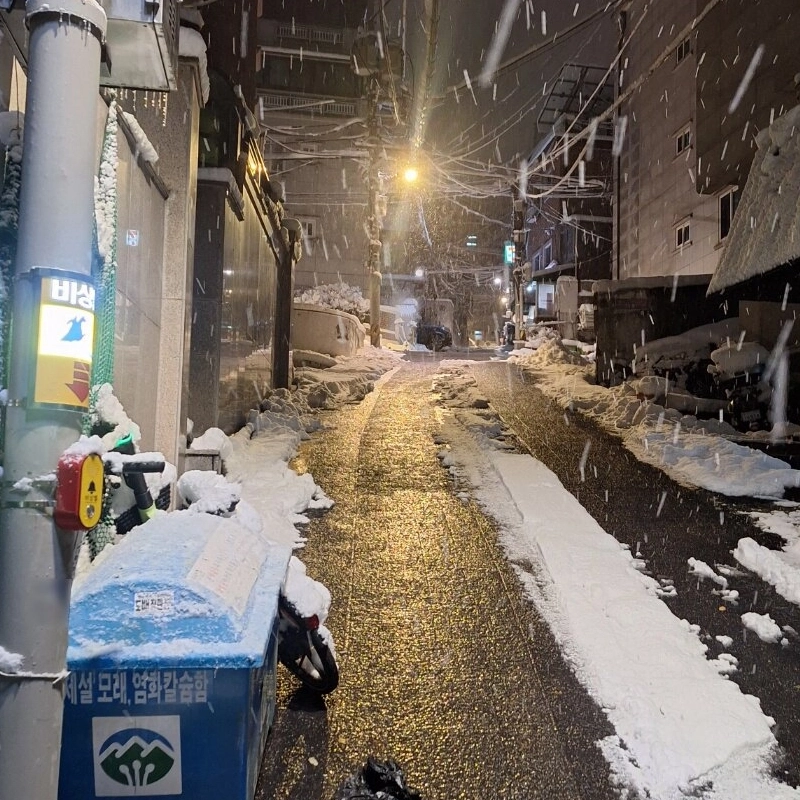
x=765 y=232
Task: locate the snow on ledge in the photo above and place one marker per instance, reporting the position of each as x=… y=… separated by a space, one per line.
x=192 y=45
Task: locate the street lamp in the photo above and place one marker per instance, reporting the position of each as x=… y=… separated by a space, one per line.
x=410 y=174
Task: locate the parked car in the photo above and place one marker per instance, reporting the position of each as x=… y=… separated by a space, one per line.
x=433 y=336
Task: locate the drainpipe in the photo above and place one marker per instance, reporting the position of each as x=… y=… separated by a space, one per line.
x=55 y=231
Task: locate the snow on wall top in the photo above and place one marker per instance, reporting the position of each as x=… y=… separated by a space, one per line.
x=184 y=590
x=764 y=230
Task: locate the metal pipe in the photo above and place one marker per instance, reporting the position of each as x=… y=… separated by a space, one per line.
x=55 y=230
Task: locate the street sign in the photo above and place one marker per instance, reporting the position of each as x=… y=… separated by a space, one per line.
x=64 y=338
x=132 y=237
x=509 y=253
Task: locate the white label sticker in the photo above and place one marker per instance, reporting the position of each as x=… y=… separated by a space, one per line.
x=137 y=756
x=230 y=563
x=153 y=604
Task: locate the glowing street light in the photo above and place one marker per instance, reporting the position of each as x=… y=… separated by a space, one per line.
x=410 y=174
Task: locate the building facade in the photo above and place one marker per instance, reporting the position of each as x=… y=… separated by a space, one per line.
x=312 y=107
x=705 y=84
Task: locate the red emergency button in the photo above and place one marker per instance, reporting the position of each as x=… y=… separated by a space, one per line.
x=79 y=492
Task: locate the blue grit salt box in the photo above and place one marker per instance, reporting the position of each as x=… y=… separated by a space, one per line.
x=172 y=656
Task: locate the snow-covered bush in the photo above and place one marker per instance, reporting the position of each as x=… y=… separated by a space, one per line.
x=339 y=296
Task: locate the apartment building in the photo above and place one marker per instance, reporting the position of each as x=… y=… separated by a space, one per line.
x=312 y=108
x=569 y=215
x=707 y=82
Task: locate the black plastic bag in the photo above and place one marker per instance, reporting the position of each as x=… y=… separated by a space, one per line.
x=377 y=780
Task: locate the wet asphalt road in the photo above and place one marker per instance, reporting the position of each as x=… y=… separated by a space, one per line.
x=445 y=667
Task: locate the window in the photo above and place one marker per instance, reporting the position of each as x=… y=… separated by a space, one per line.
x=309 y=228
x=537 y=262
x=548 y=253
x=683 y=50
x=683 y=140
x=728 y=203
x=683 y=235
x=567 y=243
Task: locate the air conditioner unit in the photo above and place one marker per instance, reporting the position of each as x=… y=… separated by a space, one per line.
x=141 y=42
x=142 y=45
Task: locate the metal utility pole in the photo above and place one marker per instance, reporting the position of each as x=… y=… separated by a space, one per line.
x=373 y=185
x=519 y=237
x=374 y=222
x=55 y=231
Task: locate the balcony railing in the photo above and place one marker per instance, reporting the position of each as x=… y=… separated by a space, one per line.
x=306 y=104
x=309 y=33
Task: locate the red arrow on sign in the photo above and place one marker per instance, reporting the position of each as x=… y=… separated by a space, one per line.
x=80 y=380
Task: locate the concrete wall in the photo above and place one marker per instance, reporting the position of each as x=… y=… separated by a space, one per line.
x=660 y=189
x=156 y=210
x=329 y=198
x=729 y=37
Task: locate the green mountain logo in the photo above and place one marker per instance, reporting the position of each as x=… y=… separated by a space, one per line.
x=136 y=757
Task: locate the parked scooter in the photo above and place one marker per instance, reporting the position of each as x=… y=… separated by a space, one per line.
x=303 y=650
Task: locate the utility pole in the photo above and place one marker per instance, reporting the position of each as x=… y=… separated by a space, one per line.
x=374 y=225
x=55 y=231
x=519 y=237
x=374 y=220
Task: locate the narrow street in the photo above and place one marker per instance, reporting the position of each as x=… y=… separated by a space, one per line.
x=444 y=666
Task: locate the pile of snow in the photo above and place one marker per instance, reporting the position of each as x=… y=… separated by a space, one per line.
x=144 y=148
x=192 y=45
x=539 y=335
x=676 y=353
x=339 y=296
x=108 y=412
x=737 y=358
x=10 y=662
x=692 y=451
x=779 y=568
x=763 y=626
x=351 y=379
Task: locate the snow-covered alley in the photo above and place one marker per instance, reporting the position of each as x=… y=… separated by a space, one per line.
x=660 y=627
x=444 y=665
